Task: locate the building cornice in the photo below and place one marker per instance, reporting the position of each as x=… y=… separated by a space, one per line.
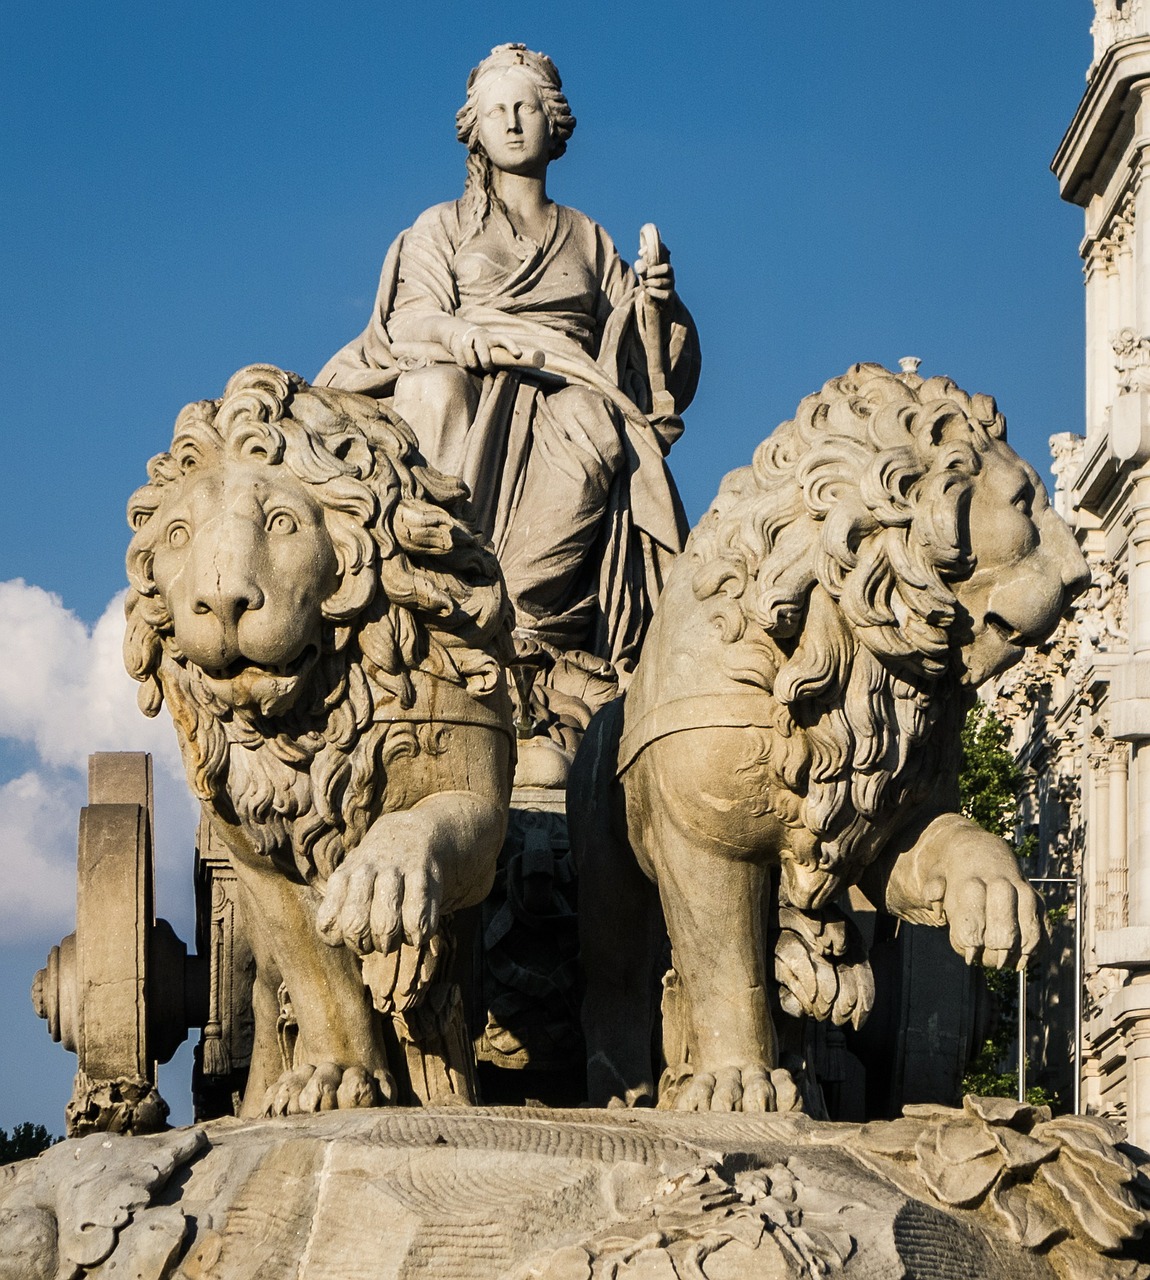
x=1097 y=475
x=1098 y=117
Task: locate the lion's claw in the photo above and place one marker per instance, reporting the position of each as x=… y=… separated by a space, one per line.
x=327 y=1087
x=755 y=1088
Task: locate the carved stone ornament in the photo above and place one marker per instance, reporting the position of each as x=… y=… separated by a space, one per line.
x=1102 y=984
x=797 y=707
x=88 y=1207
x=1116 y=20
x=1131 y=361
x=328 y=631
x=1059 y=1182
x=1066 y=450
x=994 y=1191
x=1099 y=616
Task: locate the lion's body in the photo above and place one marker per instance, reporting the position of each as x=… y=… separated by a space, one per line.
x=794 y=719
x=693 y=682
x=327 y=631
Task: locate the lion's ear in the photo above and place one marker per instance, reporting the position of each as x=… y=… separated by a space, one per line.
x=355 y=553
x=353 y=451
x=985 y=409
x=353 y=595
x=139 y=567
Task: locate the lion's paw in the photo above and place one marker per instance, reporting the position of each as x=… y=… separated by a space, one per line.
x=327 y=1087
x=756 y=1088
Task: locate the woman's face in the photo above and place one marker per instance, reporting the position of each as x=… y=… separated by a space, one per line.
x=513 y=127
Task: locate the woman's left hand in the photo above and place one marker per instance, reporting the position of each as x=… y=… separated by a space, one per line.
x=658 y=282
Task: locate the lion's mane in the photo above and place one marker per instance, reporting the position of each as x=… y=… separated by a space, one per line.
x=418 y=591
x=831 y=558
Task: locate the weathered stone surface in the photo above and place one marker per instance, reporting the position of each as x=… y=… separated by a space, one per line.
x=69 y=1211
x=554 y=1195
x=794 y=722
x=536 y=364
x=103 y=991
x=328 y=631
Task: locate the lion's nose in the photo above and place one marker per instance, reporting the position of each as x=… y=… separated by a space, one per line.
x=227 y=602
x=1074 y=570
x=1076 y=574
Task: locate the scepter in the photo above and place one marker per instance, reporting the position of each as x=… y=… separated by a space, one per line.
x=654 y=252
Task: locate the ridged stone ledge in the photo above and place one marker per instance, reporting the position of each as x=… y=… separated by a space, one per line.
x=993 y=1190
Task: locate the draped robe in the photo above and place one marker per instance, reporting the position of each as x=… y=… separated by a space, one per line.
x=570 y=486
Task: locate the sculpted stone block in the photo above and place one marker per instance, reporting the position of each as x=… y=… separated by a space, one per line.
x=534 y=362
x=327 y=630
x=792 y=729
x=531 y=360
x=992 y=1191
x=107 y=991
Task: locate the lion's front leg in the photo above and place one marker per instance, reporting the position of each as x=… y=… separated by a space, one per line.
x=436 y=856
x=956 y=874
x=340 y=1059
x=712 y=896
x=714 y=916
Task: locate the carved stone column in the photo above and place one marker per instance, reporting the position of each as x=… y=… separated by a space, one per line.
x=1098 y=833
x=1130 y=694
x=1096 y=271
x=1117 y=893
x=1132 y=1008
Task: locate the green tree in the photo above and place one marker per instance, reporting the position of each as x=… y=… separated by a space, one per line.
x=26 y=1140
x=990 y=783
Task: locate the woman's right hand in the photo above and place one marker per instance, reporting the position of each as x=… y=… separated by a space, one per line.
x=474 y=348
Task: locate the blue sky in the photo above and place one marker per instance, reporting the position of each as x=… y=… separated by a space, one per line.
x=190 y=188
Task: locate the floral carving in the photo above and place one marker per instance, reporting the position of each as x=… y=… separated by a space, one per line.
x=1044 y=1181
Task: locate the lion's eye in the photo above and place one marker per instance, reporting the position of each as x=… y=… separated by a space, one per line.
x=281 y=522
x=1023 y=499
x=178 y=535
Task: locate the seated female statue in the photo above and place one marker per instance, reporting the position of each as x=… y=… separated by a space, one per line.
x=533 y=362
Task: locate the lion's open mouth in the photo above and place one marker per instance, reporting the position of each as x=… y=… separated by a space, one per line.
x=244 y=667
x=270 y=689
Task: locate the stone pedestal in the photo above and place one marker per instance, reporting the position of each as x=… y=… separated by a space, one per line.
x=991 y=1192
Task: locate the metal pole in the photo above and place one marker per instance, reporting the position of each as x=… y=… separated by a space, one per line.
x=1077 y=995
x=1022 y=1034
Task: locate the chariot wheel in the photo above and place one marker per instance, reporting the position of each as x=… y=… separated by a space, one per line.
x=114 y=992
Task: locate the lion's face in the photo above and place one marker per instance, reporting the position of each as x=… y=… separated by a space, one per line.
x=1027 y=566
x=244 y=563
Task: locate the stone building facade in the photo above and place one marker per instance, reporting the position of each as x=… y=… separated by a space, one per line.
x=1079 y=711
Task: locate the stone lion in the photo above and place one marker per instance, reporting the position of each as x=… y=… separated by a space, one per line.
x=792 y=729
x=327 y=630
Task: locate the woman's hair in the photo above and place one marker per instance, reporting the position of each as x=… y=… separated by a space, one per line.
x=477 y=194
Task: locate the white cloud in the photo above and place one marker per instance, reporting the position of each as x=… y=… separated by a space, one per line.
x=63 y=688
x=37 y=829
x=63 y=694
